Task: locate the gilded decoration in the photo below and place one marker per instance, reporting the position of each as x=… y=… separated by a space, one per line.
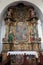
x=21 y=28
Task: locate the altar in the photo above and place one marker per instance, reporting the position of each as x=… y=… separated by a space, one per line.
x=23 y=57
x=21 y=32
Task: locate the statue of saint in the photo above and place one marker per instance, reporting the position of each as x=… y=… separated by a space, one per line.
x=10 y=37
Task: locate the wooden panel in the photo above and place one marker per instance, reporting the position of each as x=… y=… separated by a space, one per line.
x=35 y=46
x=6 y=47
x=39 y=46
x=4 y=55
x=30 y=47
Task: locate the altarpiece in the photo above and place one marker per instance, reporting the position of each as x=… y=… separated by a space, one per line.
x=21 y=29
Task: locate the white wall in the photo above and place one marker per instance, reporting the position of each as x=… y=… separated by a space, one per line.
x=2 y=30
x=2 y=33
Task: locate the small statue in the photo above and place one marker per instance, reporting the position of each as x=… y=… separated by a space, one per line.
x=9 y=12
x=32 y=12
x=10 y=37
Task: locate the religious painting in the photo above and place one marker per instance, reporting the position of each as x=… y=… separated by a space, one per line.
x=21 y=31
x=17 y=59
x=20 y=59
